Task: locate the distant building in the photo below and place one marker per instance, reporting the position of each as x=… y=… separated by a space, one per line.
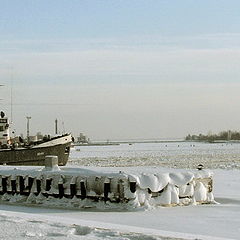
x=39 y=136
x=82 y=139
x=33 y=138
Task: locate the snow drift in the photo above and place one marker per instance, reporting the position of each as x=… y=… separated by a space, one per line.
x=83 y=188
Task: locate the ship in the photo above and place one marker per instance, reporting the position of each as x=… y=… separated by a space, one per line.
x=16 y=151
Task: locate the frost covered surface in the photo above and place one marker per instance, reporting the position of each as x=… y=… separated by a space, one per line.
x=83 y=188
x=42 y=229
x=210 y=222
x=171 y=154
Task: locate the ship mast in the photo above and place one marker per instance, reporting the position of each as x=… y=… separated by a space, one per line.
x=1 y=86
x=11 y=98
x=10 y=121
x=11 y=115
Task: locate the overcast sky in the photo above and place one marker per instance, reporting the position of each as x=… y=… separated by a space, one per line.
x=121 y=69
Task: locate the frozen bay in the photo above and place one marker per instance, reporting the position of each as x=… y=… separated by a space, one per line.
x=217 y=221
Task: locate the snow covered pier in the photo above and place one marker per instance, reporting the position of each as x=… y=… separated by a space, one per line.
x=83 y=188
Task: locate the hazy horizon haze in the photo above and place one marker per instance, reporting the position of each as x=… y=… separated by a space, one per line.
x=122 y=69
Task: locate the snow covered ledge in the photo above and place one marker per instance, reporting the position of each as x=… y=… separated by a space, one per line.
x=172 y=188
x=83 y=188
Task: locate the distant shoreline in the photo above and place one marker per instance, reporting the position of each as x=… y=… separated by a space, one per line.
x=112 y=143
x=125 y=142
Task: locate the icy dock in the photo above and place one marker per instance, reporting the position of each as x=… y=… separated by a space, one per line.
x=82 y=188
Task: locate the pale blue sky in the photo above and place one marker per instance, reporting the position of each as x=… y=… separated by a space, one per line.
x=41 y=19
x=122 y=69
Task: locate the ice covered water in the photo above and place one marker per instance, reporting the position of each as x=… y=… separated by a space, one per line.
x=171 y=154
x=31 y=229
x=205 y=219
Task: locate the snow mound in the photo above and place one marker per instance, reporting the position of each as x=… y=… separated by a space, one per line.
x=83 y=188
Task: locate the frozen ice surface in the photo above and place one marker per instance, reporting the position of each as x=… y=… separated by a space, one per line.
x=171 y=154
x=210 y=222
x=13 y=227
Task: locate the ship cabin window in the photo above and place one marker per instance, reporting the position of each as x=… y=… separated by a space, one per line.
x=3 y=120
x=1 y=128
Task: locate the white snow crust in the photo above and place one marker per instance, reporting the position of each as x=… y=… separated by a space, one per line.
x=169 y=154
x=210 y=222
x=152 y=189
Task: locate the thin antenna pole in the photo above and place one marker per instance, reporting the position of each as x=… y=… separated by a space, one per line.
x=28 y=138
x=56 y=126
x=11 y=115
x=1 y=85
x=63 y=127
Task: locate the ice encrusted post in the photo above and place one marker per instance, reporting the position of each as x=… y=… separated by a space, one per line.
x=51 y=163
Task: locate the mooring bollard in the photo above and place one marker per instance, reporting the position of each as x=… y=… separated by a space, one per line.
x=51 y=162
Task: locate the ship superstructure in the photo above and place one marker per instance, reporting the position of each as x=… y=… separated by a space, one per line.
x=4 y=130
x=17 y=152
